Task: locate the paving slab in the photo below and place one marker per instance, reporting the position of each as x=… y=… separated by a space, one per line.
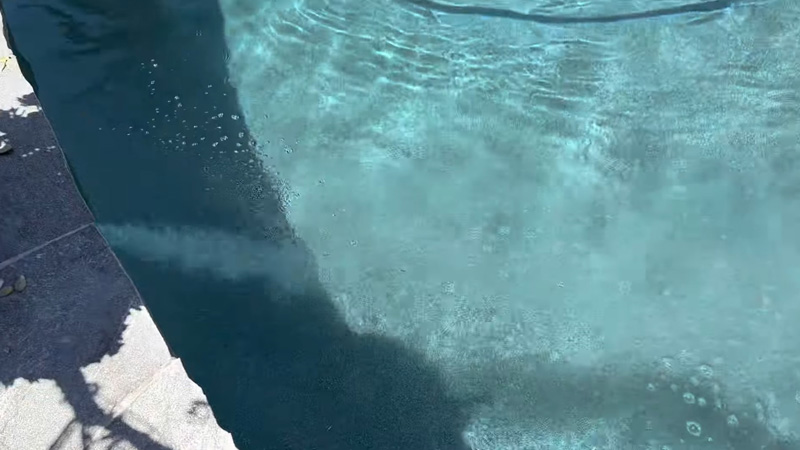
x=38 y=197
x=82 y=365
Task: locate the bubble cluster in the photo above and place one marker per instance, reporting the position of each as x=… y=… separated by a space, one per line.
x=694 y=428
x=706 y=371
x=186 y=123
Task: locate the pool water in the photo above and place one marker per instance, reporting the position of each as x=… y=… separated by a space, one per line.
x=497 y=192
x=383 y=225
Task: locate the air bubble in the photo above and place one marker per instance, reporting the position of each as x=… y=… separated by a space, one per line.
x=215 y=144
x=797 y=396
x=651 y=387
x=701 y=402
x=688 y=398
x=234 y=117
x=694 y=428
x=223 y=138
x=220 y=115
x=241 y=134
x=732 y=421
x=706 y=371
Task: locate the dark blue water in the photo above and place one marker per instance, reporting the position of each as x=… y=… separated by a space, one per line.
x=279 y=367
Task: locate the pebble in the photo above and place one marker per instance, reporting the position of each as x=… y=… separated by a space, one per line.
x=5 y=147
x=20 y=284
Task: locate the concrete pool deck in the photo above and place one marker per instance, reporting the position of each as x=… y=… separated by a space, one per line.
x=82 y=365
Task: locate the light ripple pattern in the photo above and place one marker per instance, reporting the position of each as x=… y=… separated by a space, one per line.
x=549 y=200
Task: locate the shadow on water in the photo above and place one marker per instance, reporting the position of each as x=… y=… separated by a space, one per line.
x=129 y=90
x=136 y=93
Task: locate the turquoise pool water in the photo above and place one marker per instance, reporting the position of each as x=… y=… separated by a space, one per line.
x=540 y=202
x=390 y=225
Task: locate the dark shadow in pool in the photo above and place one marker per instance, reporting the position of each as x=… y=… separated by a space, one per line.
x=281 y=371
x=280 y=368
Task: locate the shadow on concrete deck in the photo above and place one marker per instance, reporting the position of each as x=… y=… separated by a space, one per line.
x=60 y=322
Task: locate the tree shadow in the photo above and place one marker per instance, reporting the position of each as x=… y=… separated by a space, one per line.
x=45 y=341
